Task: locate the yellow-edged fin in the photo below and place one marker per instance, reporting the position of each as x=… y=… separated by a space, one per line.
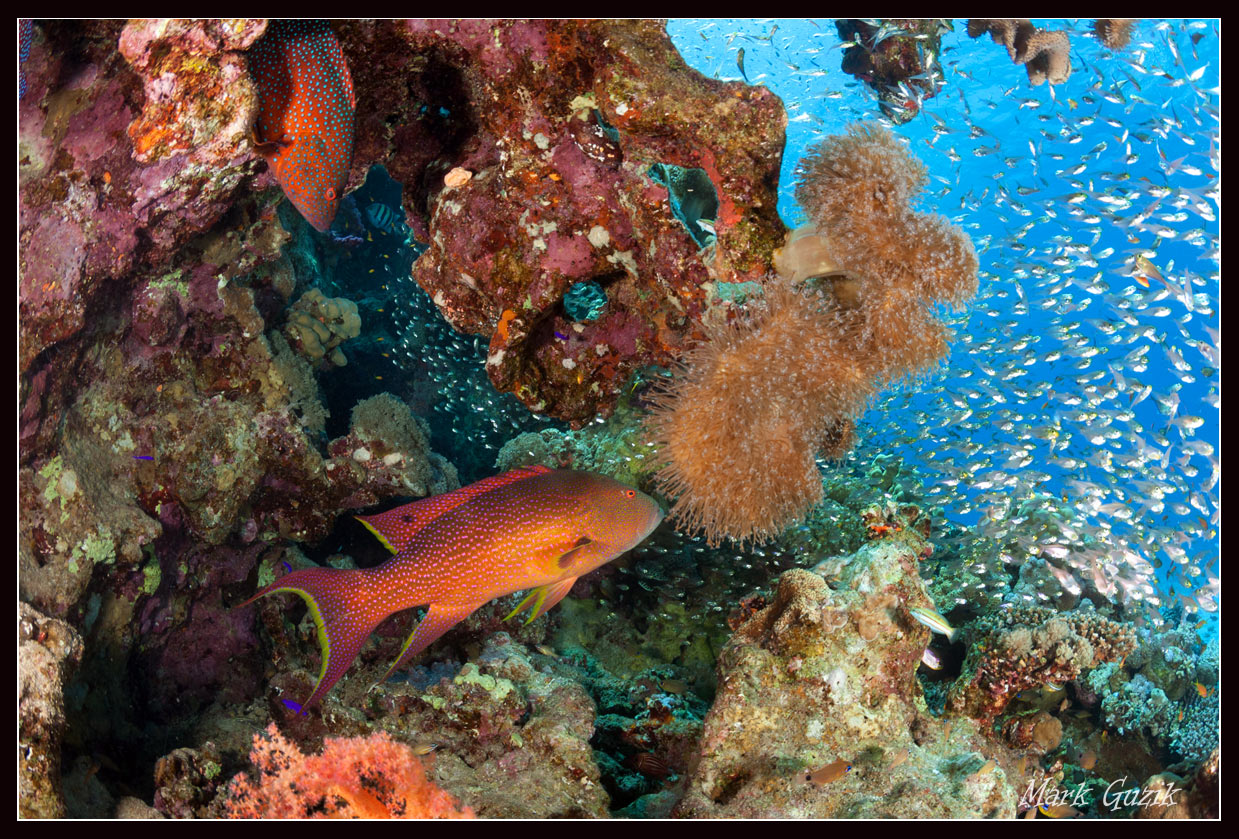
x=544 y=598
x=525 y=602
x=439 y=618
x=553 y=594
x=324 y=643
x=377 y=534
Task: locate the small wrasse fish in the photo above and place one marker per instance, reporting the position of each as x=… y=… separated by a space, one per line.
x=828 y=773
x=934 y=621
x=532 y=528
x=305 y=118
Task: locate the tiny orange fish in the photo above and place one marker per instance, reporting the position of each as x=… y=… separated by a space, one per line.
x=1202 y=690
x=1144 y=281
x=828 y=773
x=900 y=757
x=1088 y=760
x=986 y=768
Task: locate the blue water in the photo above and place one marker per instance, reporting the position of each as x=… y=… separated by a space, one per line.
x=1060 y=387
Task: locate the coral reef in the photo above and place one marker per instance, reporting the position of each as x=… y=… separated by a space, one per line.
x=1166 y=689
x=561 y=190
x=371 y=777
x=1114 y=32
x=738 y=431
x=187 y=781
x=1026 y=647
x=826 y=672
x=1168 y=796
x=94 y=210
x=1046 y=55
x=48 y=650
x=897 y=58
x=317 y=325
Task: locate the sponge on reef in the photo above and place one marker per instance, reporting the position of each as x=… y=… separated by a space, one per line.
x=739 y=429
x=317 y=325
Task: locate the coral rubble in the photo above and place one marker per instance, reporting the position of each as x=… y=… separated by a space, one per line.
x=48 y=649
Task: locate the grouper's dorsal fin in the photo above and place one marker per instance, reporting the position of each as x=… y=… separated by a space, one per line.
x=394 y=528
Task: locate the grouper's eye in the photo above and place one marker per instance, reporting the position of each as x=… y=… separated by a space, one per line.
x=630 y=493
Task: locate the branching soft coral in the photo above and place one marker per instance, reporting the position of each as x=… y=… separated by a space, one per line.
x=358 y=777
x=738 y=430
x=1046 y=55
x=1114 y=32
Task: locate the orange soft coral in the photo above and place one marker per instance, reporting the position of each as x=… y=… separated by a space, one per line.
x=739 y=429
x=358 y=777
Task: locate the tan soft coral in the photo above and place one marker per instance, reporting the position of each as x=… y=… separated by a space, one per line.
x=1114 y=32
x=739 y=429
x=1045 y=54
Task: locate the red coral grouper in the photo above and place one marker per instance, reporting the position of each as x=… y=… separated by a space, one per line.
x=531 y=528
x=305 y=117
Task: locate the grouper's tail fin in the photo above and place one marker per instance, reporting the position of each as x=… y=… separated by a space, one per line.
x=343 y=613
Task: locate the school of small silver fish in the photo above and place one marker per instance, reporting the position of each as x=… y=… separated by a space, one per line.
x=1074 y=426
x=1076 y=420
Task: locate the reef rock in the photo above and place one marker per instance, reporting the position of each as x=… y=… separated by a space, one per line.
x=562 y=190
x=826 y=673
x=48 y=649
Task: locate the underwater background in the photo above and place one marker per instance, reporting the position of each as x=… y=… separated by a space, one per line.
x=981 y=580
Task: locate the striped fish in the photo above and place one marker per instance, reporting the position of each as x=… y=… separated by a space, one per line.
x=934 y=621
x=305 y=118
x=532 y=528
x=385 y=219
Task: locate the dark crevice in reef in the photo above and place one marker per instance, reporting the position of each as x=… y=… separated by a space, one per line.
x=693 y=199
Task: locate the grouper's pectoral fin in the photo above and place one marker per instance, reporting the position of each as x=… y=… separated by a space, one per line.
x=543 y=599
x=440 y=617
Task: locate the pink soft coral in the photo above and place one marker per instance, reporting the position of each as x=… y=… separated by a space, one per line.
x=357 y=777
